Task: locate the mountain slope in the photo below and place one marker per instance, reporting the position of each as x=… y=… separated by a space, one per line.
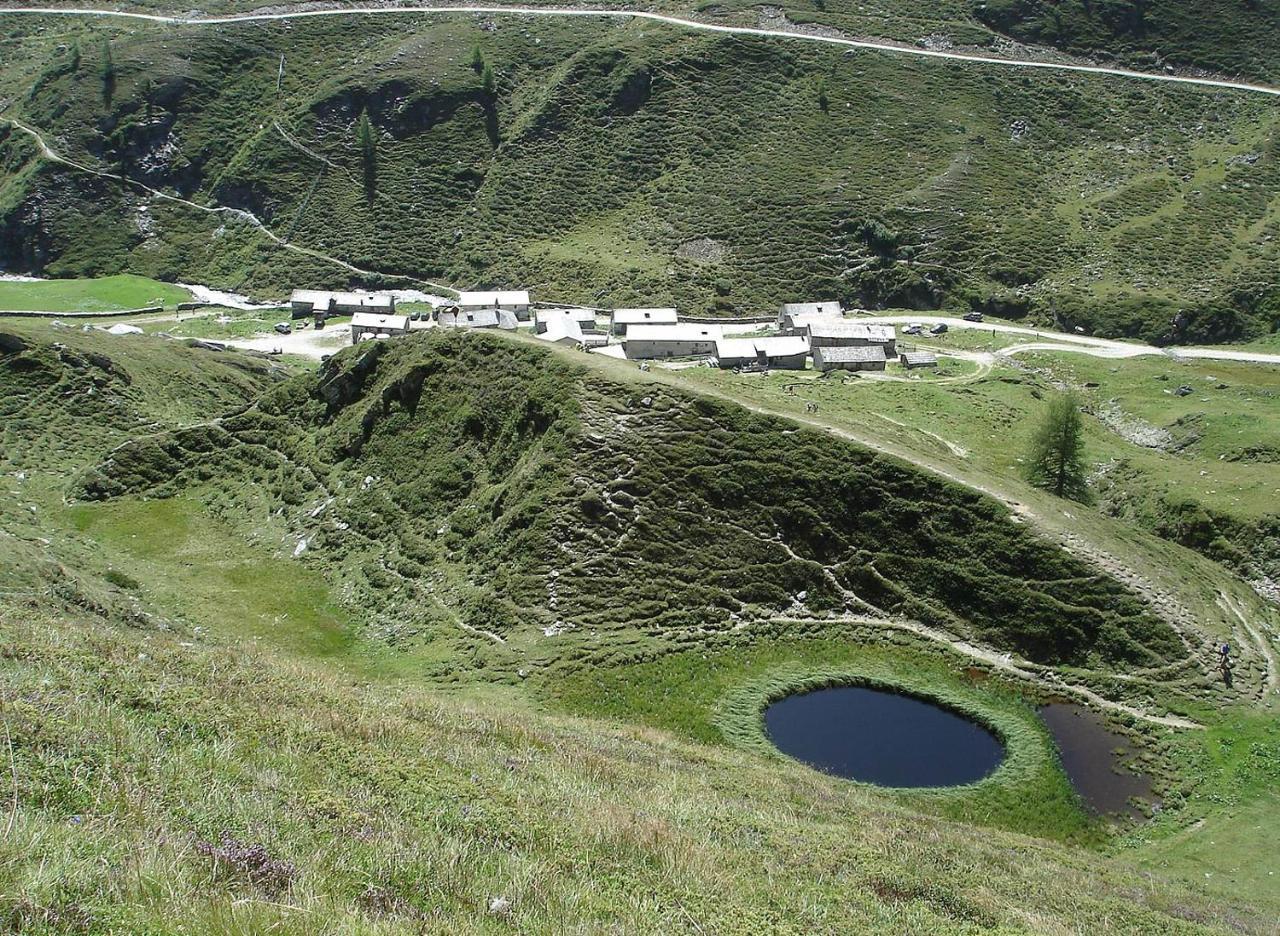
x=178 y=766
x=719 y=173
x=561 y=501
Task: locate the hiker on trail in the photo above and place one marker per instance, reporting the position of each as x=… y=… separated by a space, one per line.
x=1224 y=663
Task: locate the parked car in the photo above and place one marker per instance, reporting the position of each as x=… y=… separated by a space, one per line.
x=284 y=328
x=973 y=317
x=939 y=329
x=914 y=328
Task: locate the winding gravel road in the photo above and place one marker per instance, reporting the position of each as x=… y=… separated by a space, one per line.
x=1081 y=344
x=879 y=45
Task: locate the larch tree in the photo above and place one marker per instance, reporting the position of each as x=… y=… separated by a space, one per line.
x=1056 y=460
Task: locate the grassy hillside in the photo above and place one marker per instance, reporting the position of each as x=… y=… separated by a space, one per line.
x=1220 y=37
x=566 y=503
x=107 y=294
x=1224 y=37
x=213 y=725
x=718 y=173
x=161 y=780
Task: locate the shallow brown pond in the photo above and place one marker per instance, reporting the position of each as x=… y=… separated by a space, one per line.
x=1095 y=759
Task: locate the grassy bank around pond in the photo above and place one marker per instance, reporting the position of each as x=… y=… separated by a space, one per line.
x=98 y=294
x=717 y=695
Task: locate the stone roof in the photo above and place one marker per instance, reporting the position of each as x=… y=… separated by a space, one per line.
x=845 y=354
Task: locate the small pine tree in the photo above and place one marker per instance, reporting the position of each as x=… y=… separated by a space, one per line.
x=477 y=58
x=107 y=71
x=824 y=101
x=368 y=143
x=1056 y=460
x=75 y=57
x=488 y=83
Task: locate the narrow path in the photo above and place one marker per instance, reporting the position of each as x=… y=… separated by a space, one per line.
x=878 y=45
x=247 y=216
x=1271 y=681
x=1004 y=663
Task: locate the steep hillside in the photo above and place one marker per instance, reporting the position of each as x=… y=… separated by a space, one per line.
x=719 y=173
x=493 y=481
x=1226 y=37
x=1219 y=37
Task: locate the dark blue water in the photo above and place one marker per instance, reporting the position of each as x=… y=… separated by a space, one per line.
x=881 y=737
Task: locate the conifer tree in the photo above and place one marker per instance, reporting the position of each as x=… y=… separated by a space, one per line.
x=1056 y=460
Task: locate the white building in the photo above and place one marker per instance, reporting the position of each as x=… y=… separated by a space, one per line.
x=305 y=302
x=585 y=318
x=785 y=352
x=508 y=300
x=666 y=341
x=811 y=309
x=478 y=318
x=622 y=319
x=560 y=329
x=365 y=325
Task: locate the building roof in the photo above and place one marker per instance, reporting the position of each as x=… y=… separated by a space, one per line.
x=383 y=322
x=320 y=298
x=561 y=328
x=311 y=297
x=674 y=332
x=751 y=348
x=843 y=329
x=842 y=354
x=919 y=357
x=495 y=298
x=481 y=318
x=586 y=316
x=830 y=309
x=644 y=317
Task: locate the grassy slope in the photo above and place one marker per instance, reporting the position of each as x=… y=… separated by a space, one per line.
x=642 y=141
x=105 y=294
x=332 y=774
x=573 y=505
x=1213 y=475
x=1221 y=36
x=388 y=812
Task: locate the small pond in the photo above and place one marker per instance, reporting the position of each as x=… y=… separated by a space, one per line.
x=1095 y=760
x=881 y=737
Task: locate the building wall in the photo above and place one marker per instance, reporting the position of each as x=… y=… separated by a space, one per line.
x=664 y=349
x=851 y=365
x=788 y=361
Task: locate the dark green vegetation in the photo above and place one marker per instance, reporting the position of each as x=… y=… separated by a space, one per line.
x=1194 y=468
x=571 y=503
x=626 y=163
x=1056 y=460
x=206 y=731
x=1229 y=37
